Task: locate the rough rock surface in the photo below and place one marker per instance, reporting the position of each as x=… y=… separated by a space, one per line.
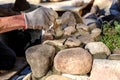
x=105 y=70
x=40 y=58
x=98 y=49
x=73 y=61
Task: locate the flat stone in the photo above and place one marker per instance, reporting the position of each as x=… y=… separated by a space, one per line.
x=114 y=57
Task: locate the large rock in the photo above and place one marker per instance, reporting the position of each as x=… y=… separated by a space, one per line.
x=73 y=61
x=40 y=58
x=98 y=49
x=57 y=77
x=103 y=69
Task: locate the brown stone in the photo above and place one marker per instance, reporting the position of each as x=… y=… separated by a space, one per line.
x=69 y=30
x=72 y=42
x=73 y=61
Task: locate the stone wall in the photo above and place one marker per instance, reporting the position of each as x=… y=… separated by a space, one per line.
x=74 y=53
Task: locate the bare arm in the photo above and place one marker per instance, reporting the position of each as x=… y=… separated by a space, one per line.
x=12 y=23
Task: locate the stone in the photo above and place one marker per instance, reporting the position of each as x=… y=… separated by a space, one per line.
x=114 y=57
x=57 y=77
x=47 y=36
x=95 y=33
x=77 y=77
x=40 y=59
x=58 y=44
x=82 y=32
x=103 y=69
x=68 y=19
x=72 y=42
x=73 y=61
x=83 y=27
x=59 y=32
x=92 y=26
x=116 y=51
x=69 y=30
x=86 y=39
x=98 y=49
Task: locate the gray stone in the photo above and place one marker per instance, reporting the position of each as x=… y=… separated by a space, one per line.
x=68 y=19
x=98 y=49
x=40 y=58
x=95 y=33
x=58 y=44
x=83 y=27
x=73 y=61
x=72 y=42
x=86 y=39
x=103 y=69
x=59 y=32
x=114 y=57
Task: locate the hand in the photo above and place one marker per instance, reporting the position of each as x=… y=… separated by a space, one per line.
x=40 y=18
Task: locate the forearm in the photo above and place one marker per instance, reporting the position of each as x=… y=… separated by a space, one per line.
x=12 y=23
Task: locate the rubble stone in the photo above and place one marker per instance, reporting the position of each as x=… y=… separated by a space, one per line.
x=40 y=58
x=103 y=69
x=86 y=39
x=98 y=49
x=114 y=57
x=73 y=61
x=72 y=42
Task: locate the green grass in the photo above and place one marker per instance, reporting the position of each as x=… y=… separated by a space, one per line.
x=111 y=35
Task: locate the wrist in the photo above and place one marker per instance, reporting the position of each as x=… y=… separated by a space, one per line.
x=23 y=17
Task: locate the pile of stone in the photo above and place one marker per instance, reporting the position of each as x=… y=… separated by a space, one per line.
x=73 y=53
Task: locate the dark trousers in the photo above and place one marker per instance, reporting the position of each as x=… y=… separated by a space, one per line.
x=7 y=57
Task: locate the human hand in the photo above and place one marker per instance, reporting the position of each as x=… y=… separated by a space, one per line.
x=40 y=18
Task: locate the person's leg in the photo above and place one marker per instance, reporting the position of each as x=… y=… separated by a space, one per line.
x=7 y=57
